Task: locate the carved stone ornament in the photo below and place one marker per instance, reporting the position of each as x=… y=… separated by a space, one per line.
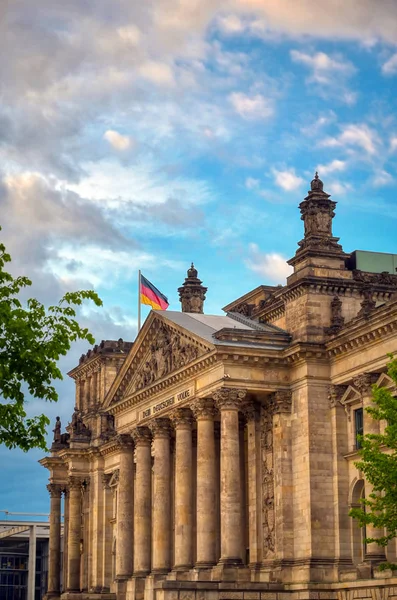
x=125 y=441
x=384 y=278
x=249 y=411
x=182 y=418
x=77 y=427
x=335 y=394
x=106 y=477
x=142 y=436
x=280 y=402
x=160 y=427
x=368 y=304
x=229 y=398
x=203 y=408
x=192 y=292
x=244 y=309
x=75 y=483
x=57 y=431
x=168 y=352
x=337 y=320
x=268 y=517
x=364 y=382
x=55 y=490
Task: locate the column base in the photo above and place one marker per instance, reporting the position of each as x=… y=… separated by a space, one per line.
x=232 y=562
x=201 y=564
x=180 y=568
x=137 y=574
x=163 y=571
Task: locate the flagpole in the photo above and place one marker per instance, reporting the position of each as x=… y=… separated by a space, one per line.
x=139 y=300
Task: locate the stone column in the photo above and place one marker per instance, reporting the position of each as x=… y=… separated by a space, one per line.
x=183 y=540
x=74 y=534
x=142 y=502
x=125 y=509
x=363 y=383
x=228 y=401
x=161 y=525
x=107 y=534
x=204 y=412
x=54 y=558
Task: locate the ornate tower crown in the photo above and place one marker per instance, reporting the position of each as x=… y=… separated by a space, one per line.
x=317 y=212
x=192 y=293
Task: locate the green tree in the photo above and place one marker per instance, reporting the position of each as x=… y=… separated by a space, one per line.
x=32 y=339
x=378 y=463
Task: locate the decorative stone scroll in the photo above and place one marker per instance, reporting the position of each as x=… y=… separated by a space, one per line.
x=267 y=480
x=125 y=441
x=75 y=483
x=106 y=477
x=229 y=398
x=337 y=320
x=168 y=352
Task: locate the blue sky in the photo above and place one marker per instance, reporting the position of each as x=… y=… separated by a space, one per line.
x=147 y=135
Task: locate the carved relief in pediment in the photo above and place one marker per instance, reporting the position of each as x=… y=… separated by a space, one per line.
x=167 y=351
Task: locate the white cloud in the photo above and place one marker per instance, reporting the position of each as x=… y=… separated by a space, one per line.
x=272 y=266
x=255 y=107
x=231 y=24
x=338 y=188
x=287 y=179
x=323 y=67
x=393 y=143
x=117 y=140
x=251 y=183
x=157 y=72
x=354 y=135
x=382 y=178
x=390 y=66
x=334 y=165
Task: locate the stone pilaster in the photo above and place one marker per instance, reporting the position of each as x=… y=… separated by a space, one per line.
x=254 y=495
x=280 y=407
x=183 y=541
x=204 y=412
x=363 y=383
x=161 y=515
x=229 y=402
x=125 y=509
x=54 y=560
x=107 y=533
x=143 y=501
x=74 y=534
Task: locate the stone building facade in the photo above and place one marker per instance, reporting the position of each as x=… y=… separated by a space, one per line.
x=214 y=457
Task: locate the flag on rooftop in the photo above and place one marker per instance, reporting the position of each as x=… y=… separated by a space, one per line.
x=151 y=296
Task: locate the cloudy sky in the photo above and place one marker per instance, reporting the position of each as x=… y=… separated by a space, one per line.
x=150 y=134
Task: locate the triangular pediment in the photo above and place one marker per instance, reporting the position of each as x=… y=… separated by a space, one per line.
x=161 y=349
x=386 y=382
x=351 y=395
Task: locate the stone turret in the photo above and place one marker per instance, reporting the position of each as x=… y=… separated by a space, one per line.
x=192 y=293
x=319 y=246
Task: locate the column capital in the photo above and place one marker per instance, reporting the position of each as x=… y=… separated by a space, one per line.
x=160 y=427
x=281 y=402
x=364 y=382
x=75 y=483
x=124 y=441
x=142 y=436
x=182 y=418
x=106 y=477
x=335 y=394
x=229 y=398
x=203 y=408
x=249 y=411
x=55 y=490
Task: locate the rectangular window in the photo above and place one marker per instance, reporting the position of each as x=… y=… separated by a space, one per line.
x=359 y=426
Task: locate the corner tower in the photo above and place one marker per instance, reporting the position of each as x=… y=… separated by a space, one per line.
x=192 y=292
x=319 y=247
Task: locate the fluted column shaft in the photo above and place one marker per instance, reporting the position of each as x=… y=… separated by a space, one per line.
x=125 y=509
x=161 y=496
x=228 y=402
x=74 y=534
x=364 y=383
x=142 y=502
x=54 y=559
x=206 y=518
x=182 y=420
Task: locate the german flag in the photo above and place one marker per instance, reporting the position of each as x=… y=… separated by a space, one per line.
x=151 y=296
